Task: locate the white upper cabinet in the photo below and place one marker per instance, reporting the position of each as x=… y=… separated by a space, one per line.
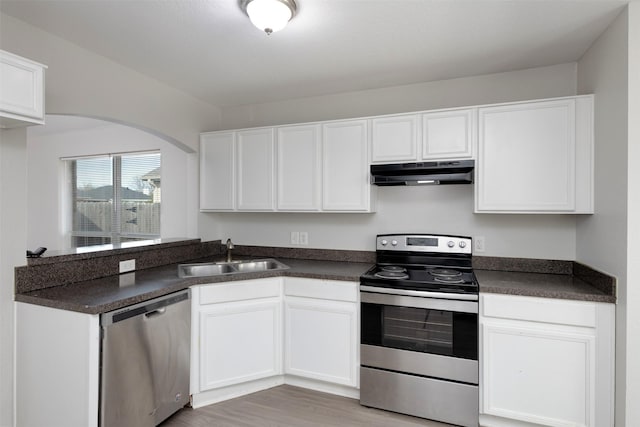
x=445 y=134
x=536 y=157
x=345 y=170
x=21 y=91
x=299 y=168
x=395 y=138
x=217 y=171
x=530 y=157
x=255 y=169
x=448 y=134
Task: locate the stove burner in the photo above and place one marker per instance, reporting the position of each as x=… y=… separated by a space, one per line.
x=448 y=279
x=422 y=263
x=445 y=273
x=393 y=274
x=395 y=268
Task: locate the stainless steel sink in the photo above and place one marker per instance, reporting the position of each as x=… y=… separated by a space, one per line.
x=233 y=267
x=260 y=265
x=205 y=269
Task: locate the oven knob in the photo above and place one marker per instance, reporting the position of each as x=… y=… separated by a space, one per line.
x=384 y=243
x=394 y=242
x=451 y=244
x=462 y=244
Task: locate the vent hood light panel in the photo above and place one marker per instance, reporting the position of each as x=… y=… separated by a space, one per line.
x=424 y=173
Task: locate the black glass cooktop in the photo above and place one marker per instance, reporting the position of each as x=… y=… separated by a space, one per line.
x=426 y=278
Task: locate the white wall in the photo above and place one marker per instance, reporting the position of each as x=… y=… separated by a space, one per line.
x=439 y=209
x=603 y=239
x=428 y=209
x=81 y=82
x=13 y=231
x=79 y=136
x=543 y=82
x=633 y=222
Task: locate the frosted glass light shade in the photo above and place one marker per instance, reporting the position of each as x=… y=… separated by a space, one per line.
x=269 y=15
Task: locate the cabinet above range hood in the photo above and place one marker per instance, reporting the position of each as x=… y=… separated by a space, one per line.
x=423 y=173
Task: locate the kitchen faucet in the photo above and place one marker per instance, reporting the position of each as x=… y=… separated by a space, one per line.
x=229 y=247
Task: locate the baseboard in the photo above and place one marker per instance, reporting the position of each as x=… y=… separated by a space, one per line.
x=230 y=392
x=337 y=389
x=225 y=393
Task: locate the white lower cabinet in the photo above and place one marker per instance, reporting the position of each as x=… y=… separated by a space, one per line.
x=321 y=330
x=546 y=362
x=240 y=342
x=57 y=367
x=237 y=332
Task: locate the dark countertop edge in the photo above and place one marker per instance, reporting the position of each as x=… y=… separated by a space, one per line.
x=601 y=286
x=593 y=294
x=586 y=297
x=109 y=250
x=179 y=285
x=524 y=265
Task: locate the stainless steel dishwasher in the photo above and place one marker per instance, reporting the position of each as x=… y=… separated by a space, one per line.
x=145 y=354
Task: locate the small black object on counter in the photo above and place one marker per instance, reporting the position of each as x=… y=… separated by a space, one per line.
x=37 y=253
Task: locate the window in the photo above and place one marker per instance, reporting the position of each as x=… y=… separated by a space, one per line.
x=114 y=198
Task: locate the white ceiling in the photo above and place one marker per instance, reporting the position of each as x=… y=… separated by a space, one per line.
x=210 y=49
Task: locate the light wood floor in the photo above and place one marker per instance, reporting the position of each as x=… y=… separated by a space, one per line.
x=292 y=406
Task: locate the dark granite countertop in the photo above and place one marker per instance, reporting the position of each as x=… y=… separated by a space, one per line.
x=113 y=292
x=561 y=286
x=88 y=283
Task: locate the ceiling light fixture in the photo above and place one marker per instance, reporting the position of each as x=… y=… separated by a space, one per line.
x=269 y=15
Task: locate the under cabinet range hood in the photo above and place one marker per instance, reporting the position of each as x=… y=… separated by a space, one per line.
x=423 y=173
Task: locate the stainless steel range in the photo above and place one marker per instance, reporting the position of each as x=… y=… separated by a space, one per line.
x=419 y=328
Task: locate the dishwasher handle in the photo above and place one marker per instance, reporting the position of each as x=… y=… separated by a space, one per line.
x=154 y=313
x=149 y=309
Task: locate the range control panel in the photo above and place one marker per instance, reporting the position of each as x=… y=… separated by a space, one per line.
x=424 y=243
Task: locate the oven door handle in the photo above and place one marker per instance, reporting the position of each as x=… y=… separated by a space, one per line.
x=418 y=299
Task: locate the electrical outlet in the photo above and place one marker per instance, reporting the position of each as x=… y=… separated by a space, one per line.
x=295 y=238
x=304 y=238
x=127 y=266
x=127 y=279
x=478 y=244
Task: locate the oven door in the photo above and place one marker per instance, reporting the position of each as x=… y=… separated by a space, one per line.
x=431 y=337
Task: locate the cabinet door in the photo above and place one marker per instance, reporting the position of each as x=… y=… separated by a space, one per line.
x=345 y=170
x=321 y=340
x=57 y=373
x=299 y=163
x=240 y=342
x=255 y=157
x=541 y=374
x=217 y=177
x=448 y=134
x=551 y=366
x=395 y=138
x=527 y=158
x=21 y=91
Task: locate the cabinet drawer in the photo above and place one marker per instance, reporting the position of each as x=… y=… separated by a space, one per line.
x=546 y=310
x=323 y=289
x=240 y=290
